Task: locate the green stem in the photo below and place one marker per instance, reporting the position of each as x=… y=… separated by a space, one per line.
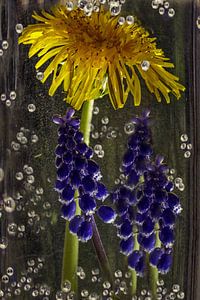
x=71 y=243
x=153 y=272
x=133 y=273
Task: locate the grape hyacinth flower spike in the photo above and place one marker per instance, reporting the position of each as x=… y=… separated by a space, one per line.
x=145 y=205
x=78 y=178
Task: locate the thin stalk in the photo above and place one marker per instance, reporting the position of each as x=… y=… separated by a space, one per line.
x=100 y=251
x=153 y=272
x=71 y=243
x=133 y=273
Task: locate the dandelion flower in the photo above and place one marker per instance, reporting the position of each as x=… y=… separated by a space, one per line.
x=93 y=56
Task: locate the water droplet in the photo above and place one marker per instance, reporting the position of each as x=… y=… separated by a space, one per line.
x=19 y=28
x=97 y=148
x=105 y=120
x=106 y=285
x=40 y=75
x=28 y=170
x=94 y=279
x=31 y=107
x=129 y=20
x=5 y=45
x=5 y=278
x=118 y=273
x=145 y=65
x=1 y=52
x=101 y=154
x=13 y=95
x=84 y=293
x=171 y=12
x=175 y=288
x=181 y=295
x=115 y=9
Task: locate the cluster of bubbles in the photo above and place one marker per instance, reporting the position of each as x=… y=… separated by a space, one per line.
x=24 y=136
x=185 y=145
x=178 y=181
x=163 y=7
x=90 y=6
x=105 y=131
x=4 y=47
x=7 y=99
x=14 y=286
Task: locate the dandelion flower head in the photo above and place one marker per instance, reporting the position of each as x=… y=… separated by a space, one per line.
x=95 y=55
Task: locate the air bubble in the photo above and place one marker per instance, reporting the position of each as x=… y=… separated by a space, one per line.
x=105 y=120
x=129 y=20
x=1 y=52
x=10 y=271
x=155 y=4
x=129 y=128
x=121 y=20
x=95 y=110
x=1 y=174
x=69 y=5
x=175 y=288
x=3 y=97
x=5 y=45
x=40 y=75
x=3 y=243
x=13 y=95
x=198 y=22
x=183 y=146
x=187 y=154
x=31 y=107
x=8 y=102
x=189 y=146
x=161 y=10
x=9 y=204
x=12 y=229
x=145 y=65
x=184 y=138
x=19 y=28
x=19 y=176
x=171 y=12
x=34 y=138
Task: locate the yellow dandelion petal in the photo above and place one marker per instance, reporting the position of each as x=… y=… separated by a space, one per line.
x=92 y=56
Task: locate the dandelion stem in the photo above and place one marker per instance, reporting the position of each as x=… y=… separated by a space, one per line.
x=71 y=243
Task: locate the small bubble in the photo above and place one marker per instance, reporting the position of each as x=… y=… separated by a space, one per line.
x=13 y=95
x=5 y=278
x=30 y=179
x=181 y=187
x=3 y=243
x=129 y=128
x=106 y=285
x=129 y=20
x=101 y=154
x=175 y=288
x=1 y=293
x=155 y=4
x=17 y=292
x=1 y=52
x=183 y=146
x=145 y=65
x=9 y=204
x=118 y=273
x=31 y=107
x=161 y=11
x=8 y=102
x=12 y=229
x=5 y=45
x=105 y=120
x=94 y=279
x=181 y=295
x=84 y=293
x=172 y=171
x=121 y=20
x=115 y=10
x=160 y=282
x=34 y=138
x=95 y=271
x=95 y=135
x=10 y=271
x=189 y=146
x=19 y=176
x=184 y=138
x=171 y=12
x=69 y=5
x=187 y=154
x=1 y=174
x=97 y=148
x=28 y=170
x=166 y=5
x=19 y=28
x=40 y=75
x=3 y=97
x=35 y=293
x=66 y=286
x=198 y=22
x=95 y=110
